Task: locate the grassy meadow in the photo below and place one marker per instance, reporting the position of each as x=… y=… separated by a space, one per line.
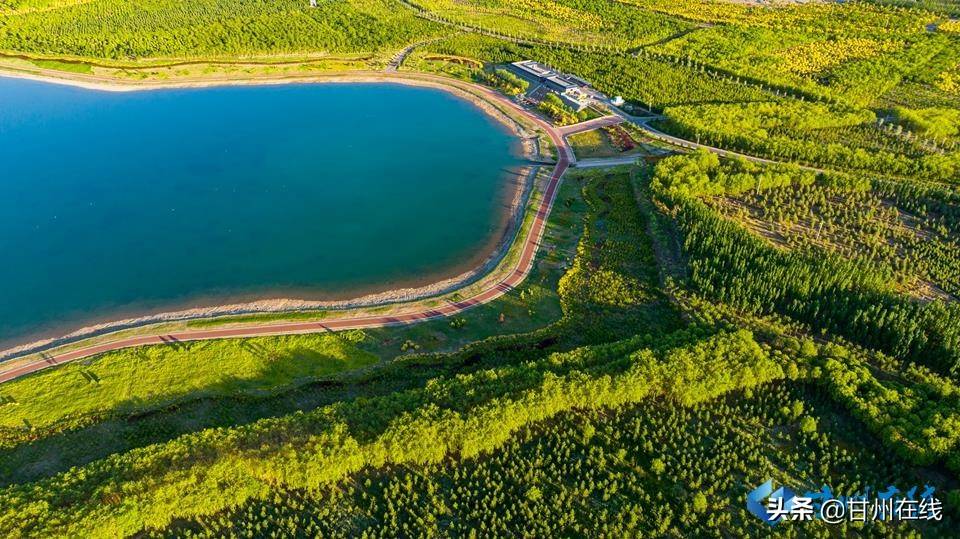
x=147 y=377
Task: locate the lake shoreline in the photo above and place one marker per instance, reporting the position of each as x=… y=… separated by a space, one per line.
x=489 y=256
x=102 y=84
x=233 y=305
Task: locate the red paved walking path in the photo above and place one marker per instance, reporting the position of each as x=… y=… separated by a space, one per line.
x=515 y=277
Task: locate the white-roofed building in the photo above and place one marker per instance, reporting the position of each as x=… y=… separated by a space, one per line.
x=538 y=73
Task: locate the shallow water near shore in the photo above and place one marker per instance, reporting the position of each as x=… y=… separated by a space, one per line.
x=123 y=204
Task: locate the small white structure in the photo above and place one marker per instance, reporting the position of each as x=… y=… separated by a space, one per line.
x=313 y=3
x=617 y=101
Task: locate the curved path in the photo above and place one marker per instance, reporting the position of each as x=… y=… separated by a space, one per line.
x=590 y=125
x=394 y=64
x=656 y=134
x=516 y=275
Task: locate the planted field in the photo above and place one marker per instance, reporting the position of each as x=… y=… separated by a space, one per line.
x=605 y=142
x=817 y=135
x=920 y=248
x=645 y=80
x=867 y=49
x=831 y=292
x=642 y=465
x=122 y=30
x=594 y=143
x=592 y=23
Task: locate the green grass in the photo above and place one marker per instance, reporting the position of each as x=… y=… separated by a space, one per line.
x=427 y=62
x=594 y=143
x=153 y=376
x=72 y=67
x=257 y=317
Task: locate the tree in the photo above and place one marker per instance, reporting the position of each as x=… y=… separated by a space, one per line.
x=699 y=503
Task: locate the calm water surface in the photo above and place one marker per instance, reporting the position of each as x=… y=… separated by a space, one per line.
x=115 y=204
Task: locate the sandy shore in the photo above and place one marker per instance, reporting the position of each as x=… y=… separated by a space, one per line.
x=517 y=204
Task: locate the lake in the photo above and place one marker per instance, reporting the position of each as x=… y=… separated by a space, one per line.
x=114 y=204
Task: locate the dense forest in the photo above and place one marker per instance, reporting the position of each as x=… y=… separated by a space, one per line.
x=833 y=292
x=693 y=326
x=119 y=29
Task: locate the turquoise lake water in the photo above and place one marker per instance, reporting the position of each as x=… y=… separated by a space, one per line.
x=120 y=204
